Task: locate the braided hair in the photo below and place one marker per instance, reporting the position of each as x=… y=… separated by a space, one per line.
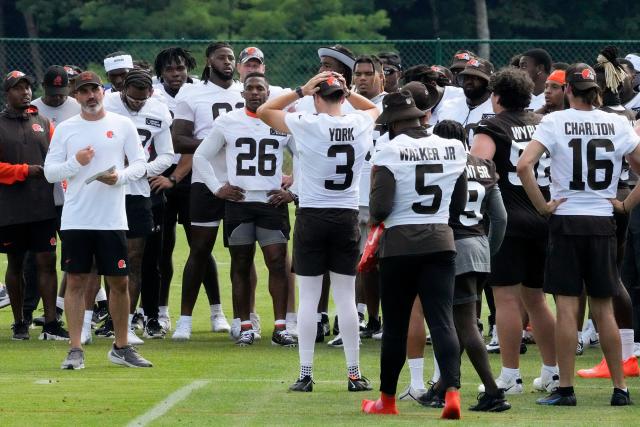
x=607 y=63
x=450 y=129
x=206 y=73
x=138 y=78
x=173 y=54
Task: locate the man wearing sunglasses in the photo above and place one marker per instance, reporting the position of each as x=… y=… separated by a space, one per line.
x=392 y=67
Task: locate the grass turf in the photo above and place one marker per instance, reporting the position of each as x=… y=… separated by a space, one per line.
x=247 y=386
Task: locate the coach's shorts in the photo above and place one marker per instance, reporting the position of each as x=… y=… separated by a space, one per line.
x=206 y=210
x=38 y=236
x=325 y=239
x=473 y=254
x=519 y=260
x=577 y=261
x=248 y=222
x=466 y=287
x=363 y=225
x=108 y=247
x=139 y=216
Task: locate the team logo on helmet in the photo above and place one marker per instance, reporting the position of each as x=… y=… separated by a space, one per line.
x=587 y=74
x=37 y=128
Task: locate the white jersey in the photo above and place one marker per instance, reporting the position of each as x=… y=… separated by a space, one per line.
x=586 y=150
x=634 y=103
x=201 y=104
x=306 y=105
x=450 y=93
x=426 y=171
x=331 y=150
x=254 y=155
x=457 y=109
x=276 y=91
x=95 y=206
x=68 y=109
x=365 y=178
x=153 y=123
x=537 y=102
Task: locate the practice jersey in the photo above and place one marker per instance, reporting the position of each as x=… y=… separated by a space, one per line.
x=634 y=103
x=59 y=114
x=511 y=133
x=365 y=179
x=537 y=102
x=254 y=154
x=626 y=177
x=458 y=110
x=153 y=123
x=331 y=151
x=306 y=105
x=586 y=149
x=450 y=93
x=481 y=178
x=202 y=104
x=425 y=171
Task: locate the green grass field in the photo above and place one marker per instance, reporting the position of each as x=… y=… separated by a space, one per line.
x=246 y=386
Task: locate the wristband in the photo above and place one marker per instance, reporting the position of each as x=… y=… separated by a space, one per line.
x=299 y=92
x=173 y=180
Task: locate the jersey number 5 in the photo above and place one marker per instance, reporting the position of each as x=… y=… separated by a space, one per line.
x=347 y=169
x=427 y=190
x=593 y=164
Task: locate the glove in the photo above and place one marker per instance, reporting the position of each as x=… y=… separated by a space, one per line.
x=370 y=253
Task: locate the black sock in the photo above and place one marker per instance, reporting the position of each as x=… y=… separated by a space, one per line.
x=619 y=390
x=103 y=304
x=565 y=391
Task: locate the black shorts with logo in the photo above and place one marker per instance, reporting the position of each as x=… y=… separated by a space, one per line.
x=582 y=254
x=39 y=236
x=519 y=260
x=107 y=247
x=326 y=240
x=139 y=216
x=204 y=207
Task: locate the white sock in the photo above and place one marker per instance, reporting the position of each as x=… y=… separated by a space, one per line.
x=86 y=323
x=185 y=320
x=436 y=371
x=548 y=371
x=216 y=309
x=60 y=303
x=579 y=335
x=626 y=339
x=129 y=322
x=510 y=373
x=362 y=308
x=318 y=316
x=163 y=311
x=101 y=295
x=309 y=288
x=291 y=317
x=343 y=289
x=416 y=368
x=589 y=324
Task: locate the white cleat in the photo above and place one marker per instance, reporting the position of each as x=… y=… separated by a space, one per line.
x=255 y=323
x=234 y=331
x=636 y=349
x=182 y=332
x=292 y=328
x=219 y=323
x=509 y=385
x=411 y=393
x=132 y=338
x=86 y=337
x=165 y=322
x=546 y=384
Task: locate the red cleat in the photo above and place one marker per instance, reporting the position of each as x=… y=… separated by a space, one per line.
x=451 y=409
x=601 y=370
x=386 y=405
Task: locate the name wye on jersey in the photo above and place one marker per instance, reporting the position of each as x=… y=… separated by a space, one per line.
x=475 y=172
x=573 y=128
x=341 y=134
x=426 y=153
x=523 y=133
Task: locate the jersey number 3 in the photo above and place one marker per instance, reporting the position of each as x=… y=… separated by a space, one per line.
x=346 y=170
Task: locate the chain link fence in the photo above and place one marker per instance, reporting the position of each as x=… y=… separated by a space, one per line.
x=289 y=62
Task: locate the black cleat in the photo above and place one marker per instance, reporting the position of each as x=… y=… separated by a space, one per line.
x=489 y=403
x=326 y=328
x=246 y=338
x=99 y=314
x=106 y=330
x=153 y=330
x=620 y=398
x=430 y=399
x=523 y=347
x=320 y=333
x=336 y=326
x=373 y=327
x=53 y=331
x=302 y=384
x=20 y=331
x=361 y=322
x=556 y=399
x=282 y=338
x=359 y=384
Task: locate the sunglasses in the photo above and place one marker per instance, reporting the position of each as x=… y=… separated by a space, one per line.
x=390 y=71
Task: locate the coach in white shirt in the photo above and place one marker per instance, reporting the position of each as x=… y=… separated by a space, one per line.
x=89 y=151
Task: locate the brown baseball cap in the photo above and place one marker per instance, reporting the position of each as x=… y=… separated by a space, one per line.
x=56 y=81
x=399 y=106
x=15 y=76
x=330 y=86
x=581 y=76
x=424 y=97
x=478 y=67
x=460 y=59
x=86 y=78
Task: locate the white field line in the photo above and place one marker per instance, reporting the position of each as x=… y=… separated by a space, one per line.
x=163 y=407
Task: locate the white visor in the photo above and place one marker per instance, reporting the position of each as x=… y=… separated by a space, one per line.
x=117 y=62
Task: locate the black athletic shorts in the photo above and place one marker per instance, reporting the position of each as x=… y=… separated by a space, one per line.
x=519 y=260
x=205 y=209
x=466 y=287
x=582 y=260
x=325 y=240
x=39 y=236
x=177 y=204
x=262 y=215
x=107 y=247
x=139 y=216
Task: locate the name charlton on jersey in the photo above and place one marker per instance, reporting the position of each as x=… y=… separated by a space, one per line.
x=426 y=153
x=572 y=128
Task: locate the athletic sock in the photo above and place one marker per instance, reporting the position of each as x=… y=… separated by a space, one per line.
x=510 y=372
x=310 y=289
x=246 y=325
x=215 y=309
x=416 y=368
x=344 y=297
x=280 y=324
x=101 y=295
x=353 y=371
x=129 y=321
x=291 y=317
x=60 y=303
x=185 y=320
x=626 y=339
x=565 y=391
x=86 y=323
x=163 y=311
x=362 y=308
x=436 y=371
x=318 y=317
x=548 y=371
x=306 y=371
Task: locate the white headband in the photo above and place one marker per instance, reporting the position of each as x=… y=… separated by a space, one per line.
x=116 y=62
x=335 y=54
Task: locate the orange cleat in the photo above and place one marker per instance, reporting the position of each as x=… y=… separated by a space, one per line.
x=451 y=409
x=386 y=405
x=601 y=370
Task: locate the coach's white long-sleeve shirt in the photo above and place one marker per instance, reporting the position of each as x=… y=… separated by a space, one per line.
x=95 y=206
